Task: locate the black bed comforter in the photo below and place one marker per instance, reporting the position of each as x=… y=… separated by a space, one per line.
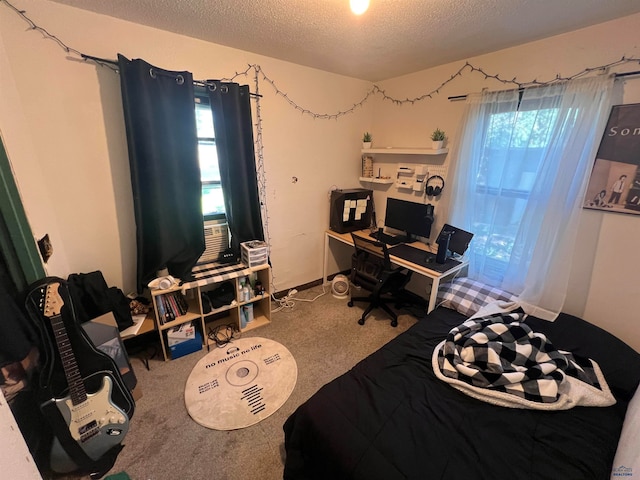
x=391 y=418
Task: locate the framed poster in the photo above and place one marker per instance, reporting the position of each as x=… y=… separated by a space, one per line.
x=614 y=185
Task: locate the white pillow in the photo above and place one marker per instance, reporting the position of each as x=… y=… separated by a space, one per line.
x=627 y=459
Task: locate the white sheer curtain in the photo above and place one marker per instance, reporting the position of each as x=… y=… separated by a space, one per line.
x=521 y=168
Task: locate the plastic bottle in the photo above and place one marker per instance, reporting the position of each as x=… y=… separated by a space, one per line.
x=249 y=312
x=246 y=293
x=243 y=317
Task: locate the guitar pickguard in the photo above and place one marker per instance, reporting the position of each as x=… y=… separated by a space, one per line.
x=96 y=424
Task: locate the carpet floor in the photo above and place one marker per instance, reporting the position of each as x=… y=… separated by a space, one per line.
x=164 y=443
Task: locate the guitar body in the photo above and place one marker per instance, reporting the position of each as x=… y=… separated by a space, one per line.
x=81 y=392
x=97 y=424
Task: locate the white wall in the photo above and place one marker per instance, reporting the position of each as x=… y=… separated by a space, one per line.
x=63 y=130
x=61 y=122
x=603 y=288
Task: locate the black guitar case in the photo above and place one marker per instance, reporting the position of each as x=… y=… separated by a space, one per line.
x=93 y=365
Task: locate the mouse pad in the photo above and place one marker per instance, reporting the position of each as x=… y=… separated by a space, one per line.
x=422 y=258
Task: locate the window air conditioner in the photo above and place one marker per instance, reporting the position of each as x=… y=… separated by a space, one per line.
x=216 y=239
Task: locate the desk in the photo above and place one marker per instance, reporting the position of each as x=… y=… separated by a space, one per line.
x=434 y=276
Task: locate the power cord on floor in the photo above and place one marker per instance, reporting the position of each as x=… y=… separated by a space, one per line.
x=223 y=334
x=287 y=302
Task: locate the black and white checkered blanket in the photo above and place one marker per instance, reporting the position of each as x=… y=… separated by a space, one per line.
x=499 y=359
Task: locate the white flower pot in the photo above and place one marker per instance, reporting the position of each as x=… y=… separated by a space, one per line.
x=366 y=144
x=436 y=144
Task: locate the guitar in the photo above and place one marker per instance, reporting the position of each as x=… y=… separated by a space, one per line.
x=94 y=421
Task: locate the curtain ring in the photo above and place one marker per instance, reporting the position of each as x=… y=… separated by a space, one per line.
x=224 y=89
x=179 y=79
x=212 y=87
x=152 y=73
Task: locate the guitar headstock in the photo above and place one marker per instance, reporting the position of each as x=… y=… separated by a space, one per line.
x=52 y=301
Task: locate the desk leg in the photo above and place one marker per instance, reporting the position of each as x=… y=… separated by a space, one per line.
x=326 y=259
x=433 y=295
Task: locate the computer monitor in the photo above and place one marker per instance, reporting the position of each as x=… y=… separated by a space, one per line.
x=459 y=240
x=409 y=217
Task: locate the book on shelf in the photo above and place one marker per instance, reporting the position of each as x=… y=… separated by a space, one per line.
x=160 y=310
x=171 y=306
x=171 y=298
x=168 y=312
x=183 y=305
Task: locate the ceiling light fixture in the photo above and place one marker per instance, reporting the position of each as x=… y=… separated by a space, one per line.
x=359 y=6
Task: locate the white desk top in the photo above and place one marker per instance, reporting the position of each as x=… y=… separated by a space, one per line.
x=346 y=238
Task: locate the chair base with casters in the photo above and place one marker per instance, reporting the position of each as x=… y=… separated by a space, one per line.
x=371 y=269
x=376 y=302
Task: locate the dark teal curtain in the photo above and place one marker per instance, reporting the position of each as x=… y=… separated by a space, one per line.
x=159 y=112
x=231 y=107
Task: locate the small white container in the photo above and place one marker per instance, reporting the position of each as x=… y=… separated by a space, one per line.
x=254 y=253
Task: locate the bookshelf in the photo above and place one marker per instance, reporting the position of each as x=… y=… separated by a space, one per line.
x=206 y=319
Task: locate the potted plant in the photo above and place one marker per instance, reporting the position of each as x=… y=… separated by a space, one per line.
x=437 y=139
x=366 y=140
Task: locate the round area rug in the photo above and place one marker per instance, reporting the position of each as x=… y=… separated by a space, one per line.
x=240 y=384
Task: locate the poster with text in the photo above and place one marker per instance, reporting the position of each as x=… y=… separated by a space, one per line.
x=614 y=185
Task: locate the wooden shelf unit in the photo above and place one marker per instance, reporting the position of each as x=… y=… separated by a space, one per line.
x=227 y=314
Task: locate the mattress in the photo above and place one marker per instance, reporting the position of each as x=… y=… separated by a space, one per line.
x=390 y=417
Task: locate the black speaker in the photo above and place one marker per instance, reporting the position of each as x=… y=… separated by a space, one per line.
x=434 y=190
x=443 y=246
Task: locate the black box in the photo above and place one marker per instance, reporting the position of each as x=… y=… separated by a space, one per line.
x=103 y=332
x=350 y=209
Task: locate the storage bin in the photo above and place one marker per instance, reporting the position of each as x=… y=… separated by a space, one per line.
x=254 y=253
x=188 y=346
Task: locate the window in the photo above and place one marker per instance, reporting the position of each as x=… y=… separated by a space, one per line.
x=212 y=197
x=520 y=177
x=513 y=146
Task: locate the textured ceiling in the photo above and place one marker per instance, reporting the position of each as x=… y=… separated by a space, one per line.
x=393 y=38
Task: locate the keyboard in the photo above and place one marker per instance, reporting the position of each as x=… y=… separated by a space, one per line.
x=388 y=239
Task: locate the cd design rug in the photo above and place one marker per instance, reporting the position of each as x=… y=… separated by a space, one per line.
x=240 y=384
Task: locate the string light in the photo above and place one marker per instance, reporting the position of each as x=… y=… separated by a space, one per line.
x=375 y=90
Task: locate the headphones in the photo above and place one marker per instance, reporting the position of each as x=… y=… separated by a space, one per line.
x=434 y=191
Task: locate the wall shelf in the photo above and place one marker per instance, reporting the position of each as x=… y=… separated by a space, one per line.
x=406 y=151
x=376 y=180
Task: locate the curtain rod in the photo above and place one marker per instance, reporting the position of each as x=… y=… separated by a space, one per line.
x=456 y=98
x=114 y=62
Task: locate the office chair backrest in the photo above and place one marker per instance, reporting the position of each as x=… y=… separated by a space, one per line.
x=368 y=247
x=371 y=269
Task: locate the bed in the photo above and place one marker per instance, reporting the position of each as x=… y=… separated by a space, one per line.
x=390 y=417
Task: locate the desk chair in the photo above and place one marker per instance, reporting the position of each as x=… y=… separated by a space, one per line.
x=371 y=269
